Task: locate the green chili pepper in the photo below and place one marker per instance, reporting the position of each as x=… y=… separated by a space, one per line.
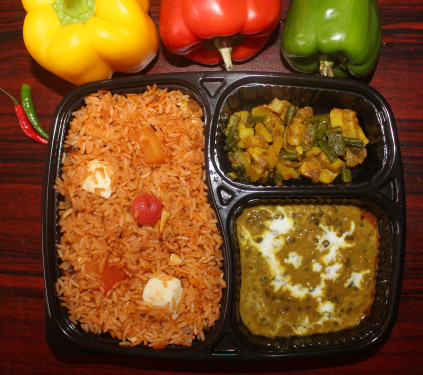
x=316 y=118
x=336 y=143
x=28 y=106
x=24 y=123
x=327 y=150
x=353 y=142
x=290 y=114
x=346 y=175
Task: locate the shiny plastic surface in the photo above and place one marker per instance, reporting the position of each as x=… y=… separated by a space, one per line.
x=377 y=185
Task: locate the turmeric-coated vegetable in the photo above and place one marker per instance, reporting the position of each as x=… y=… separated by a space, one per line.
x=280 y=141
x=87 y=40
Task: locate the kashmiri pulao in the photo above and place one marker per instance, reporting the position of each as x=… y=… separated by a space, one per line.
x=157 y=284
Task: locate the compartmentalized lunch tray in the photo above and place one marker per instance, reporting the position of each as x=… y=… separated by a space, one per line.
x=377 y=185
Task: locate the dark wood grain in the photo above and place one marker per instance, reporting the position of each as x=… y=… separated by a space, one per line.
x=398 y=77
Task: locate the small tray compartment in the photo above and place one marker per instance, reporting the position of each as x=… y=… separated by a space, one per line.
x=252 y=94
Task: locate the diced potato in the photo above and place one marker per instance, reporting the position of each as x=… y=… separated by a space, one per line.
x=261 y=111
x=265 y=158
x=335 y=166
x=256 y=141
x=310 y=168
x=302 y=114
x=261 y=130
x=295 y=133
x=348 y=121
x=326 y=176
x=273 y=121
x=313 y=169
x=314 y=151
x=244 y=131
x=286 y=171
x=255 y=173
x=277 y=141
x=271 y=158
x=243 y=116
x=278 y=106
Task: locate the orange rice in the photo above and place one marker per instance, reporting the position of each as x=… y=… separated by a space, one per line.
x=186 y=244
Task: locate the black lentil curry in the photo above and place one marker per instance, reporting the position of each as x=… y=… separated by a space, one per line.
x=306 y=269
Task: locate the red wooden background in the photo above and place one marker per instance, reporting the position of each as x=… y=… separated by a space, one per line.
x=23 y=348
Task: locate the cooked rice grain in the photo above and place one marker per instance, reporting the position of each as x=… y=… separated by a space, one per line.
x=93 y=228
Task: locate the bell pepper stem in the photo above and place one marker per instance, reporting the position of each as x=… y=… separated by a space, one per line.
x=224 y=46
x=74 y=11
x=326 y=68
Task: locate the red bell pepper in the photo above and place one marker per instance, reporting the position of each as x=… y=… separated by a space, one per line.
x=209 y=31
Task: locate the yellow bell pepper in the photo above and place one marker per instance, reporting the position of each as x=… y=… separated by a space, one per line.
x=87 y=40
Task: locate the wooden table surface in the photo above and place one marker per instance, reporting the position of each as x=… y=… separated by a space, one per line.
x=398 y=77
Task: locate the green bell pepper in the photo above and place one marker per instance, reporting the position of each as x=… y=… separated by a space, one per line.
x=334 y=37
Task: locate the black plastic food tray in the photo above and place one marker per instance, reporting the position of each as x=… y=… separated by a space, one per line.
x=377 y=185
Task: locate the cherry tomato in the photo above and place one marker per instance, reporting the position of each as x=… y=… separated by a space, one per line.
x=146 y=209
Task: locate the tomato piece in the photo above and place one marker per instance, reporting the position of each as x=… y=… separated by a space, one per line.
x=146 y=209
x=93 y=266
x=152 y=146
x=110 y=276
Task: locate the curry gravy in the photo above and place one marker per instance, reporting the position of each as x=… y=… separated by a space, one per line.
x=306 y=269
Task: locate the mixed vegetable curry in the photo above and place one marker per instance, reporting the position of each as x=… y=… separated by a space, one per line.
x=279 y=141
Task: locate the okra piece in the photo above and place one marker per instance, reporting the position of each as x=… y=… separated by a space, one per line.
x=290 y=114
x=327 y=150
x=316 y=118
x=353 y=142
x=336 y=143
